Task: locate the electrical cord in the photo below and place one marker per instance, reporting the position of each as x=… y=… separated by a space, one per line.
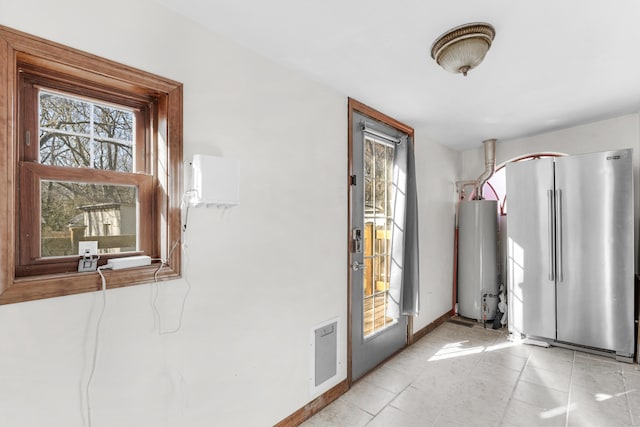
x=155 y=307
x=184 y=299
x=163 y=262
x=96 y=342
x=185 y=207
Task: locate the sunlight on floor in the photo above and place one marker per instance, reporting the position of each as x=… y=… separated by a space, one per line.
x=470 y=376
x=560 y=411
x=457 y=349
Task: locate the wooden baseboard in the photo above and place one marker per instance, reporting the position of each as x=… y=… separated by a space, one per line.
x=315 y=406
x=431 y=326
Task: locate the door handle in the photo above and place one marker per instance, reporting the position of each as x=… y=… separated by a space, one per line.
x=552 y=246
x=356 y=237
x=355 y=265
x=559 y=235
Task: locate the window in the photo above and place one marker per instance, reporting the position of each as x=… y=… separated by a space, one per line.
x=378 y=226
x=93 y=152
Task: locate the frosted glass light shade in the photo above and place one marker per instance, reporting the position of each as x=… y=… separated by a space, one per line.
x=463 y=48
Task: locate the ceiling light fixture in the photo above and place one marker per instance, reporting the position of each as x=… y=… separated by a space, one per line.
x=463 y=48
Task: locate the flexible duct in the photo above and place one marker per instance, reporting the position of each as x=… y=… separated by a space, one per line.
x=489 y=165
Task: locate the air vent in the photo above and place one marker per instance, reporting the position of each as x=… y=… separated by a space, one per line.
x=325 y=352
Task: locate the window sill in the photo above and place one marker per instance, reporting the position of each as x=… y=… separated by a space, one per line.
x=39 y=287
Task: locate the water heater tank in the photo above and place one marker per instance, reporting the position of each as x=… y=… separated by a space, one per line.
x=477 y=259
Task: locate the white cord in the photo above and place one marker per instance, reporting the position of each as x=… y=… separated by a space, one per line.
x=184 y=206
x=155 y=298
x=97 y=340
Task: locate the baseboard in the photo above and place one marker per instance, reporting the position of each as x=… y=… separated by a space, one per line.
x=431 y=326
x=315 y=406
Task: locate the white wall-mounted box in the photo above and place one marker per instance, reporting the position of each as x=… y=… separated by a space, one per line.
x=215 y=181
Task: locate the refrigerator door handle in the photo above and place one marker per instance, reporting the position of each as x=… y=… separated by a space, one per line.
x=551 y=245
x=559 y=235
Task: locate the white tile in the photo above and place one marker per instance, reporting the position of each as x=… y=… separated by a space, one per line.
x=632 y=388
x=584 y=399
x=442 y=375
x=339 y=413
x=423 y=349
x=408 y=363
x=458 y=352
x=539 y=396
x=553 y=359
x=631 y=368
x=521 y=414
x=598 y=380
x=465 y=420
x=502 y=345
x=393 y=417
x=368 y=397
x=458 y=376
x=595 y=407
x=418 y=404
x=389 y=379
x=491 y=384
x=501 y=360
x=600 y=364
x=472 y=410
x=546 y=378
x=583 y=418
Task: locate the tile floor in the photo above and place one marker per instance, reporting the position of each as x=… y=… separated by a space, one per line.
x=462 y=376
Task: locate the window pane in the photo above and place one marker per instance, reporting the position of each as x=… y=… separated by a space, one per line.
x=65 y=114
x=368 y=157
x=380 y=161
x=390 y=153
x=81 y=133
x=113 y=123
x=64 y=150
x=72 y=212
x=113 y=156
x=378 y=223
x=368 y=197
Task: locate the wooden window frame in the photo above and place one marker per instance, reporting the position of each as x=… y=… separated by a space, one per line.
x=157 y=100
x=31 y=172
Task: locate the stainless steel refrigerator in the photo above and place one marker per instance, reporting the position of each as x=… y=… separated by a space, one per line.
x=570 y=250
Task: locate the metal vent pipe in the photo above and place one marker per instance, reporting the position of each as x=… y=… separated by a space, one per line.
x=489 y=166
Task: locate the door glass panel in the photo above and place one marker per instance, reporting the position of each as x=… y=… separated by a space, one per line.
x=378 y=161
x=71 y=212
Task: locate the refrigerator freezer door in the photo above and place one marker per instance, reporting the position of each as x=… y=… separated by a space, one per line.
x=530 y=243
x=594 y=196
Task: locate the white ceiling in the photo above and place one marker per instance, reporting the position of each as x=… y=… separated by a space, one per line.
x=553 y=63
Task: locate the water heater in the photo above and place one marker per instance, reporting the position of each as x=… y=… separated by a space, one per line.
x=477 y=259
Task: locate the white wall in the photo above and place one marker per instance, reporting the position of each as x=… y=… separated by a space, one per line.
x=437 y=170
x=620 y=132
x=262 y=275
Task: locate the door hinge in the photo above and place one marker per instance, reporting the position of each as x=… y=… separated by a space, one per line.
x=352 y=180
